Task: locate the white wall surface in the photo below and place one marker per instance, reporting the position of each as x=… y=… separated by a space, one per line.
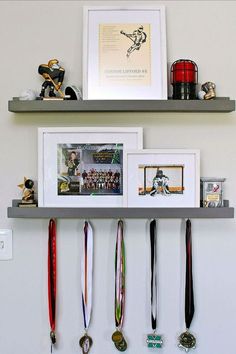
x=32 y=32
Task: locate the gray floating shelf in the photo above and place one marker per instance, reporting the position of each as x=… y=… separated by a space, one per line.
x=223 y=104
x=133 y=213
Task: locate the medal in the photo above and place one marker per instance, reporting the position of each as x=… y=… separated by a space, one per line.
x=52 y=277
x=86 y=341
x=153 y=340
x=121 y=346
x=186 y=340
x=119 y=341
x=117 y=337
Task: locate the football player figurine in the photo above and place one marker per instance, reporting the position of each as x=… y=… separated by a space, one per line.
x=53 y=75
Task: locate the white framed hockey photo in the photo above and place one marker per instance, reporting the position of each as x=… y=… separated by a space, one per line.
x=83 y=167
x=162 y=178
x=124 y=53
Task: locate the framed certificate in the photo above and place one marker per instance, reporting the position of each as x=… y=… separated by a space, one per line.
x=124 y=53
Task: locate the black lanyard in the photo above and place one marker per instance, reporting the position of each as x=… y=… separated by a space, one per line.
x=153 y=340
x=153 y=274
x=189 y=295
x=186 y=340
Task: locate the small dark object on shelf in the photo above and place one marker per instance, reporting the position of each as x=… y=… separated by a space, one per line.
x=73 y=92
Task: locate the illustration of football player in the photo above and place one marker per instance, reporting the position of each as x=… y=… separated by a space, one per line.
x=138 y=37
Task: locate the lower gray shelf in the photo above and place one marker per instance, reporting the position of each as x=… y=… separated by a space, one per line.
x=116 y=213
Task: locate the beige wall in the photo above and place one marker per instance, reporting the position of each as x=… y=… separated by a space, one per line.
x=31 y=32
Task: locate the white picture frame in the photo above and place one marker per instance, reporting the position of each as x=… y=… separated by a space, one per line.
x=60 y=180
x=111 y=70
x=162 y=178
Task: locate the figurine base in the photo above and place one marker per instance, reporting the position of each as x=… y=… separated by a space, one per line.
x=51 y=98
x=66 y=97
x=27 y=205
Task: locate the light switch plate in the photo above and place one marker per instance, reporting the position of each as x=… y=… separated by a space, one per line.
x=5 y=244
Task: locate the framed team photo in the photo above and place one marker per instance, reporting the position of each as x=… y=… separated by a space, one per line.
x=124 y=53
x=162 y=178
x=83 y=167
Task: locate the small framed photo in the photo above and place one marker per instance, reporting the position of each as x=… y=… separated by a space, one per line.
x=162 y=178
x=83 y=167
x=124 y=53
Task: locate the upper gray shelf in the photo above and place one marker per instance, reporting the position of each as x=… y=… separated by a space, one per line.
x=223 y=104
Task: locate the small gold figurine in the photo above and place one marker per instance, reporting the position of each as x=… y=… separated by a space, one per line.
x=27 y=193
x=209 y=88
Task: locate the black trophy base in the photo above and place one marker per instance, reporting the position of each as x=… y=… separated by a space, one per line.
x=184 y=91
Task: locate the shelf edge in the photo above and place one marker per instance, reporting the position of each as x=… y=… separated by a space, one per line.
x=223 y=104
x=127 y=213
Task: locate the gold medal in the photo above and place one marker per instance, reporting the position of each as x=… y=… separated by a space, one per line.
x=119 y=341
x=85 y=342
x=117 y=337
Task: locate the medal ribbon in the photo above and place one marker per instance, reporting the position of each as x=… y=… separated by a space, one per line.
x=153 y=275
x=52 y=277
x=189 y=295
x=87 y=273
x=119 y=276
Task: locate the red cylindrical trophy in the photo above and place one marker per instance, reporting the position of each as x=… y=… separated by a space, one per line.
x=184 y=77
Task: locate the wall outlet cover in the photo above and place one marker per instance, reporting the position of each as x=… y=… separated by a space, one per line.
x=5 y=244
